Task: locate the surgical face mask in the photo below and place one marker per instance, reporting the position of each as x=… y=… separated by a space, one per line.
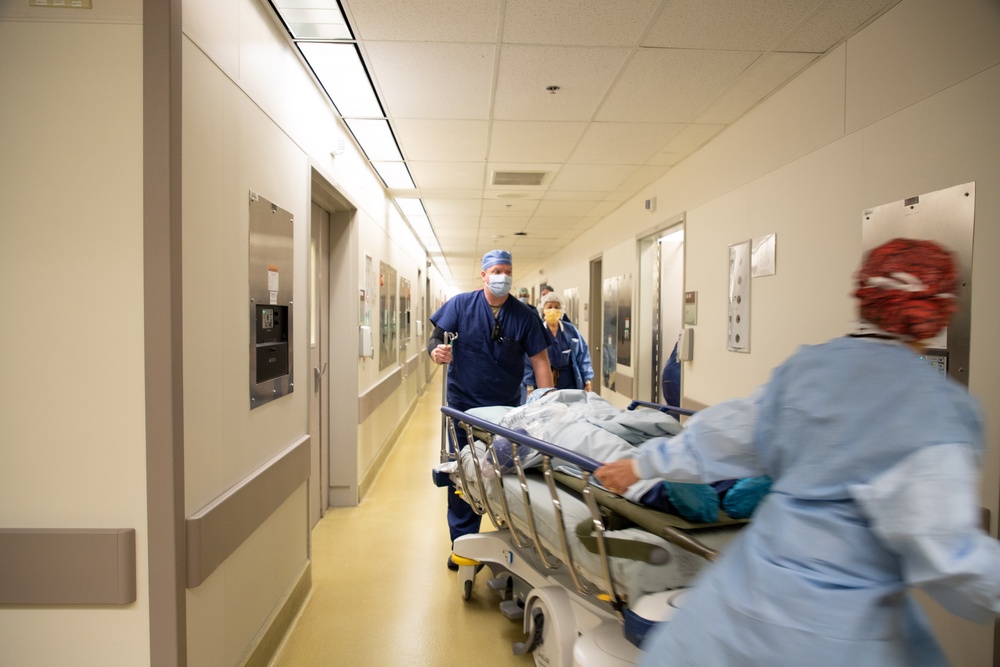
x=499 y=284
x=553 y=315
x=524 y=299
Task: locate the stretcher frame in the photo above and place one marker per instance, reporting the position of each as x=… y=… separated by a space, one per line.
x=603 y=598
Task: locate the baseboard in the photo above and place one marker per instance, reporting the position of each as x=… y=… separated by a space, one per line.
x=264 y=648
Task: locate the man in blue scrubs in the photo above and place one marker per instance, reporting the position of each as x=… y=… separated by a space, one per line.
x=493 y=333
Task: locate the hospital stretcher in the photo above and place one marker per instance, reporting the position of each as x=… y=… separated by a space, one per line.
x=588 y=571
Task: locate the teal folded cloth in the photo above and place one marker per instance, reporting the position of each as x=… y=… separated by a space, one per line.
x=744 y=496
x=698 y=503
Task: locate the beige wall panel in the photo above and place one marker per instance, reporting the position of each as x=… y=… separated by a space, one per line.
x=246 y=588
x=915 y=50
x=71 y=242
x=715 y=373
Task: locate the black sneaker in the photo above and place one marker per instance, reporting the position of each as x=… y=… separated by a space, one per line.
x=452 y=565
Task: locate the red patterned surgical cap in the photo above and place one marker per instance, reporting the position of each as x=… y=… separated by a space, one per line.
x=907 y=287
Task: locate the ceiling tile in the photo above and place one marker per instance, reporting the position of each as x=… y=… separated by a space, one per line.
x=685 y=83
x=452 y=207
x=832 y=23
x=582 y=22
x=526 y=141
x=642 y=177
x=565 y=207
x=447 y=174
x=583 y=75
x=761 y=79
x=425 y=21
x=622 y=143
x=432 y=80
x=442 y=140
x=509 y=206
x=727 y=24
x=592 y=177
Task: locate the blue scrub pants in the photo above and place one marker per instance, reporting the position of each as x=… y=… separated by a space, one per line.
x=462 y=519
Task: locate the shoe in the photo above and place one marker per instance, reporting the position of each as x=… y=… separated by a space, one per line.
x=452 y=565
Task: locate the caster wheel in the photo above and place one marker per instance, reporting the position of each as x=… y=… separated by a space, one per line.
x=467 y=590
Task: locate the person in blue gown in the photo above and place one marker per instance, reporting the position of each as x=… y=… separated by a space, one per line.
x=492 y=333
x=569 y=356
x=873 y=457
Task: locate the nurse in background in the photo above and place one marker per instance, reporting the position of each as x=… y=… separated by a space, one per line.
x=873 y=456
x=494 y=333
x=569 y=356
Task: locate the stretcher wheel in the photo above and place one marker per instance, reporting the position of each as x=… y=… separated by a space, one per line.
x=550 y=625
x=467 y=589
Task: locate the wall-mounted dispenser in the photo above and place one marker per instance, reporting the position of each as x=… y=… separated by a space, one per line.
x=271 y=282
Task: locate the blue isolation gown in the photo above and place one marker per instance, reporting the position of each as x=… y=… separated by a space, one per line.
x=873 y=457
x=569 y=355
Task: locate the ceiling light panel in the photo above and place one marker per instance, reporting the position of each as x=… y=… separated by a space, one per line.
x=314 y=23
x=394 y=174
x=375 y=138
x=339 y=69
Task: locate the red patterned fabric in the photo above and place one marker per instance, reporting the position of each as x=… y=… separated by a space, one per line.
x=907 y=287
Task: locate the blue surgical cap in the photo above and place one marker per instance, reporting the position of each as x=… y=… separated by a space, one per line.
x=494 y=257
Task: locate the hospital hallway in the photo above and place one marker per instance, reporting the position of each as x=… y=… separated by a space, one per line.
x=381 y=591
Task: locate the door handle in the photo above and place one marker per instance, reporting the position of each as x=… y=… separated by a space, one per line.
x=318 y=372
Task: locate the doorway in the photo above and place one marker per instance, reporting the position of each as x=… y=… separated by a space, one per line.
x=661 y=309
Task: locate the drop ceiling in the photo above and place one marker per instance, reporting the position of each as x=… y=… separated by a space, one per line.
x=523 y=122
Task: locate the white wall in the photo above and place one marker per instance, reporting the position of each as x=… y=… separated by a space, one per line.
x=254 y=120
x=72 y=446
x=906 y=106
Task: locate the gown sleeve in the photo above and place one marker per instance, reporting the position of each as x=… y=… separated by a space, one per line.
x=924 y=510
x=717 y=443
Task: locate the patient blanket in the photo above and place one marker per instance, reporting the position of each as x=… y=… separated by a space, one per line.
x=587 y=424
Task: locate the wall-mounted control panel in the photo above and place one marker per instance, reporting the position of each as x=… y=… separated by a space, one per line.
x=271 y=282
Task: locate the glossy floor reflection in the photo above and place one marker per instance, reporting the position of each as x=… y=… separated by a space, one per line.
x=382 y=594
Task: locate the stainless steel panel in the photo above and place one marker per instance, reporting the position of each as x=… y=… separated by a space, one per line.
x=946 y=217
x=271 y=284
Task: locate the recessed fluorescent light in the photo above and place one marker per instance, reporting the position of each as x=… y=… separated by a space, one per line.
x=342 y=74
x=314 y=22
x=395 y=175
x=375 y=138
x=411 y=206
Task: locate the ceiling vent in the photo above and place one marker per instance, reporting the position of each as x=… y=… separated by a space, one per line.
x=519 y=177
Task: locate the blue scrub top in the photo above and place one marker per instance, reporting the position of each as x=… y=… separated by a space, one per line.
x=487 y=369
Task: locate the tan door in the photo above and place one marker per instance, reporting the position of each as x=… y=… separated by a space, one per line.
x=319 y=354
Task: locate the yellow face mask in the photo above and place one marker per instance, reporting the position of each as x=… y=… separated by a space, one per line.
x=553 y=315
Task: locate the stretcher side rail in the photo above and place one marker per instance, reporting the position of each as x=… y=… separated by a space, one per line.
x=548 y=452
